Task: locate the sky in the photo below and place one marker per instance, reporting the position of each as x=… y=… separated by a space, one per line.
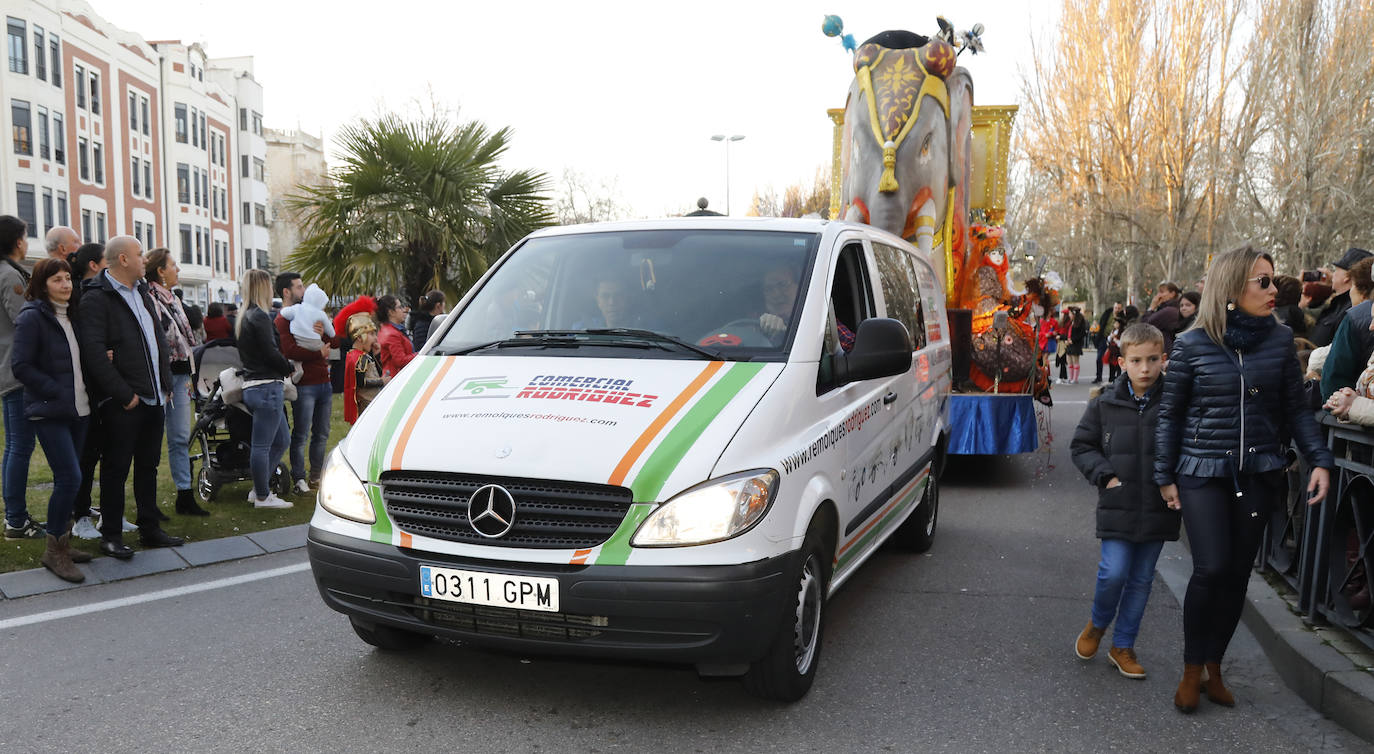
x=626 y=94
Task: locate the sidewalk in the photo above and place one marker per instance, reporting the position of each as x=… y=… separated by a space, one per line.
x=103 y=570
x=1331 y=670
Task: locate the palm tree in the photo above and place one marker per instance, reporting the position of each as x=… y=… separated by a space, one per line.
x=415 y=205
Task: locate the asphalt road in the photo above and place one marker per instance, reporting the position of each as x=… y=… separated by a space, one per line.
x=967 y=648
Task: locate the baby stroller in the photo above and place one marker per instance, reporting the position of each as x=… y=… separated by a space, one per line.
x=222 y=437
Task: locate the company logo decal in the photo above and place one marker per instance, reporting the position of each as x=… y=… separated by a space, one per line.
x=612 y=390
x=491 y=511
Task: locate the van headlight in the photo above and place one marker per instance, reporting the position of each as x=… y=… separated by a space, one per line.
x=342 y=492
x=710 y=512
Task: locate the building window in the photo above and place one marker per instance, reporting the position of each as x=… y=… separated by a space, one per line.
x=19 y=45
x=86 y=224
x=247 y=213
x=257 y=123
x=138 y=230
x=243 y=119
x=40 y=57
x=195 y=129
x=260 y=215
x=23 y=128
x=56 y=46
x=134 y=172
x=43 y=133
x=183 y=183
x=195 y=179
x=95 y=92
x=181 y=121
x=259 y=169
x=59 y=143
x=27 y=209
x=243 y=165
x=79 y=74
x=47 y=209
x=143 y=105
x=133 y=112
x=200 y=252
x=205 y=188
x=62 y=208
x=152 y=242
x=100 y=226
x=185 y=244
x=83 y=159
x=148 y=179
x=203 y=143
x=98 y=158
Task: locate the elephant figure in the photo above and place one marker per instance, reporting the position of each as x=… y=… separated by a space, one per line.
x=907 y=144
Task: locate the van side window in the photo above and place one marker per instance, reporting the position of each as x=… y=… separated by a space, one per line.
x=851 y=302
x=901 y=291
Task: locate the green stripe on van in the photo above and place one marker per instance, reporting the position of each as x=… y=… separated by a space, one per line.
x=617 y=549
x=665 y=458
x=400 y=407
x=403 y=404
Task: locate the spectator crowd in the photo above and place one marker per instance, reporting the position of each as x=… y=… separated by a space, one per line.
x=99 y=357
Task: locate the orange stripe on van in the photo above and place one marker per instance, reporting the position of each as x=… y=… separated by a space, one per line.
x=640 y=445
x=895 y=499
x=405 y=540
x=416 y=412
x=580 y=557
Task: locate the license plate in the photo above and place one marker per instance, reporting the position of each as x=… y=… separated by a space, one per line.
x=491 y=589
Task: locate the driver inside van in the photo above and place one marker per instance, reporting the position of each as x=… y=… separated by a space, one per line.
x=780 y=286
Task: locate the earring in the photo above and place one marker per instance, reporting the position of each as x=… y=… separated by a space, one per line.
x=1230 y=306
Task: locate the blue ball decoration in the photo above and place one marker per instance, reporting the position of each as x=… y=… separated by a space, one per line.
x=833 y=26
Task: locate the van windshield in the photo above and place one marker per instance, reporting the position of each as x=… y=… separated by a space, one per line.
x=685 y=293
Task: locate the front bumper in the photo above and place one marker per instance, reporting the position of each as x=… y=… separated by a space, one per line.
x=694 y=614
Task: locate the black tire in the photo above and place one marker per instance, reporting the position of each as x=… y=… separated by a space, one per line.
x=786 y=672
x=917 y=533
x=200 y=467
x=389 y=638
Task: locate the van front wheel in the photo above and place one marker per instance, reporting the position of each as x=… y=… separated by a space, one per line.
x=787 y=671
x=388 y=638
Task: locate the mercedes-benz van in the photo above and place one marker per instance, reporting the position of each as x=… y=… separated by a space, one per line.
x=669 y=440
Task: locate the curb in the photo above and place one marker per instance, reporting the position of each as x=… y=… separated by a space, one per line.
x=103 y=570
x=1329 y=681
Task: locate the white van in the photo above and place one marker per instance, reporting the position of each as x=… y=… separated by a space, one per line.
x=669 y=440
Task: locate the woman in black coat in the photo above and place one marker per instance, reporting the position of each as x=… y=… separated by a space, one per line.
x=265 y=370
x=47 y=361
x=1232 y=396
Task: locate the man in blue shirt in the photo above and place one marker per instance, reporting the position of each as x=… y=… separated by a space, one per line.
x=124 y=357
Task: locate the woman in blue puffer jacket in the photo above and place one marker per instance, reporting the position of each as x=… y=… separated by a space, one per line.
x=1232 y=398
x=47 y=361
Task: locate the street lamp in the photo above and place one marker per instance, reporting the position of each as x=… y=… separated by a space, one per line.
x=727 y=140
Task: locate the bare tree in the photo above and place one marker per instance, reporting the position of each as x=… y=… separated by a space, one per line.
x=581 y=199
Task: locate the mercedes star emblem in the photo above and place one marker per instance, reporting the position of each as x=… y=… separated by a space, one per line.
x=491 y=511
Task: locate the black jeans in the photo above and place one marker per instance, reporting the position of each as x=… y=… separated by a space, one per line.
x=1224 y=534
x=133 y=436
x=1101 y=346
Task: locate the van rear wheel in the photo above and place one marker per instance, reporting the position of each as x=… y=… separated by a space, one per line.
x=389 y=638
x=789 y=668
x=917 y=533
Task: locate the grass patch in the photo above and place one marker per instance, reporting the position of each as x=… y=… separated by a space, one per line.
x=230 y=514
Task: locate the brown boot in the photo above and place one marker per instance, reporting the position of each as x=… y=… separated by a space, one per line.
x=1126 y=662
x=1189 y=689
x=1086 y=646
x=56 y=559
x=77 y=556
x=1214 y=688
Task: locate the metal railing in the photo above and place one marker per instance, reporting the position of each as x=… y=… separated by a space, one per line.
x=1326 y=552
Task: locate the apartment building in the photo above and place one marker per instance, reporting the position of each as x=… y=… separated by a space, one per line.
x=112 y=134
x=294 y=159
x=235 y=75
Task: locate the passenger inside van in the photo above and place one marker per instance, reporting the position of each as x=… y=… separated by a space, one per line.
x=618 y=305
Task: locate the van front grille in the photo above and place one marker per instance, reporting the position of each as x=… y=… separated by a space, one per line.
x=548 y=514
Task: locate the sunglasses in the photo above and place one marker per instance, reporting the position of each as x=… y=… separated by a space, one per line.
x=1263 y=280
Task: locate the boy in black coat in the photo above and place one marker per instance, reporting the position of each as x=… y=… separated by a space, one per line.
x=1114 y=447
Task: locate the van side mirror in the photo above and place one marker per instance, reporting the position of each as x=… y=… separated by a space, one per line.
x=882 y=348
x=434 y=328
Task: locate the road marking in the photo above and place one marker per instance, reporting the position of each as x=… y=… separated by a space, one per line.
x=97 y=607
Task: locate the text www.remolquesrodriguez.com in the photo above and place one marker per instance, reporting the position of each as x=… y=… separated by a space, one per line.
x=529 y=416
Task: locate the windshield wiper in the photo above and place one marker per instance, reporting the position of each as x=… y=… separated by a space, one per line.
x=658 y=337
x=524 y=339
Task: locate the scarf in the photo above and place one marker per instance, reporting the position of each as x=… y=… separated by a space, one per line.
x=180 y=337
x=1244 y=331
